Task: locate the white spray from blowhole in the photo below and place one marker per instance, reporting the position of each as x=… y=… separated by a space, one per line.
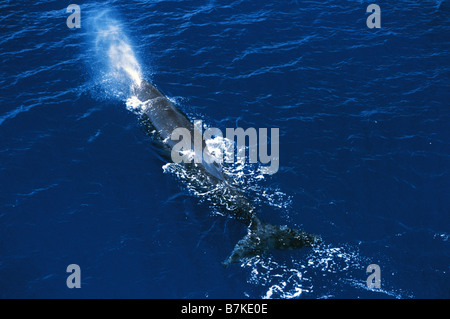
x=116 y=61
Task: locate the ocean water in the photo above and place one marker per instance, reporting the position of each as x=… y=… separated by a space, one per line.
x=364 y=147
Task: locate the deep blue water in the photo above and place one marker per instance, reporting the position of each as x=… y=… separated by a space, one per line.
x=364 y=148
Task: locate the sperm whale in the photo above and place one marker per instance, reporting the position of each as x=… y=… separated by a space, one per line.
x=160 y=117
x=159 y=114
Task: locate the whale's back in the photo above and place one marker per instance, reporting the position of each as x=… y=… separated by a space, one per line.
x=165 y=118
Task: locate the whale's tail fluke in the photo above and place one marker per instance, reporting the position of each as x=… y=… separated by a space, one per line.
x=263 y=237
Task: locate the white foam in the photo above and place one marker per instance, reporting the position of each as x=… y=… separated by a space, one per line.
x=134 y=104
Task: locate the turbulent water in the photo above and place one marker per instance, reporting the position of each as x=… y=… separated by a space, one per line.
x=364 y=147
